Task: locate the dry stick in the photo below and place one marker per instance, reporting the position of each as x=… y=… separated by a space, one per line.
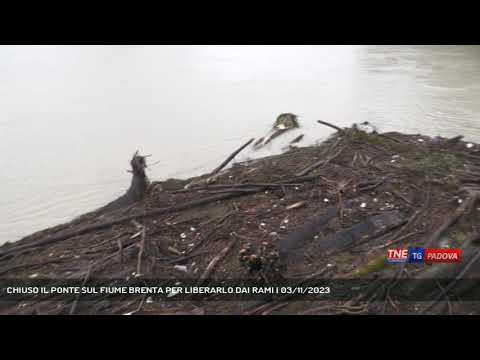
x=319 y=163
x=332 y=126
x=140 y=305
x=452 y=283
x=90 y=246
x=229 y=186
x=276 y=307
x=452 y=220
x=120 y=250
x=215 y=261
x=227 y=160
x=297 y=139
x=396 y=241
x=140 y=252
x=390 y=138
x=183 y=258
x=315 y=309
x=449 y=305
x=98 y=265
x=74 y=305
x=400 y=196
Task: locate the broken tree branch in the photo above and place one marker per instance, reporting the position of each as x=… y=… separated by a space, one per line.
x=332 y=126
x=227 y=160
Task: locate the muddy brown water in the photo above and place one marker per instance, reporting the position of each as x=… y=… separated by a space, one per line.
x=72 y=116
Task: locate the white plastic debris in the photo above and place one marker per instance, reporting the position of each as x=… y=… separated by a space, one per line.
x=263 y=224
x=136 y=235
x=173 y=292
x=149 y=300
x=295 y=206
x=420 y=140
x=444 y=243
x=285 y=221
x=363 y=205
x=469 y=145
x=326 y=200
x=283 y=227
x=329 y=265
x=183 y=235
x=192 y=229
x=392 y=161
x=395 y=156
x=273 y=233
x=375 y=200
x=128 y=313
x=274 y=206
x=460 y=201
x=181 y=268
x=297 y=188
x=316 y=237
x=51 y=254
x=33 y=276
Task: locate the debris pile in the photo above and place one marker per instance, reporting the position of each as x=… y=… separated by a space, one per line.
x=330 y=210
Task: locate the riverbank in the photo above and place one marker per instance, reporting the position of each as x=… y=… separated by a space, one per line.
x=330 y=210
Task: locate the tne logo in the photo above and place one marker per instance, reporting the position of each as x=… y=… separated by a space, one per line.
x=397 y=255
x=414 y=255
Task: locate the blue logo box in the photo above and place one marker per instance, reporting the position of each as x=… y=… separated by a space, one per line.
x=416 y=255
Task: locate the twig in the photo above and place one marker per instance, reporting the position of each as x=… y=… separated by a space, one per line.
x=74 y=305
x=390 y=138
x=215 y=261
x=120 y=250
x=229 y=186
x=227 y=160
x=319 y=163
x=139 y=306
x=453 y=219
x=396 y=241
x=332 y=126
x=297 y=139
x=315 y=309
x=400 y=196
x=140 y=252
x=275 y=307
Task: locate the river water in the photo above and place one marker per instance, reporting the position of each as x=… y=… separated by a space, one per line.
x=72 y=116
